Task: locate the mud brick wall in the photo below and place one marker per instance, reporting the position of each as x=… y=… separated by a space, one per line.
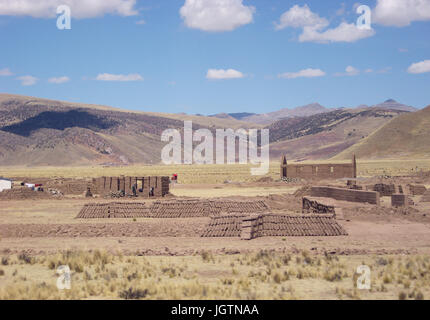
x=318 y=171
x=399 y=200
x=417 y=190
x=385 y=190
x=313 y=206
x=371 y=197
x=146 y=186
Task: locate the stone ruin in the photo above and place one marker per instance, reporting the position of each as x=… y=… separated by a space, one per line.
x=145 y=187
x=313 y=206
x=318 y=171
x=249 y=227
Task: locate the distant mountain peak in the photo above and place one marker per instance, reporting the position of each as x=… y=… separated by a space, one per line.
x=390 y=101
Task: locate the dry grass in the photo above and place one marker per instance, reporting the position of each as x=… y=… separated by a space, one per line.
x=208 y=174
x=260 y=275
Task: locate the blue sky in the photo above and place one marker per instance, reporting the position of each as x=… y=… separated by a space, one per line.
x=259 y=62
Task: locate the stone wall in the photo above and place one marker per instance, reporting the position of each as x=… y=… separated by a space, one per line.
x=318 y=171
x=371 y=197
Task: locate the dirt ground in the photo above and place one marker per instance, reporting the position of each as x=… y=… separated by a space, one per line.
x=41 y=228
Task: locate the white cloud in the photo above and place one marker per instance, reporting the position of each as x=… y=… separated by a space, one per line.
x=368 y=70
x=400 y=13
x=216 y=15
x=306 y=73
x=345 y=32
x=80 y=8
x=5 y=72
x=351 y=71
x=299 y=17
x=119 y=77
x=420 y=67
x=59 y=80
x=28 y=80
x=220 y=74
x=141 y=22
x=314 y=27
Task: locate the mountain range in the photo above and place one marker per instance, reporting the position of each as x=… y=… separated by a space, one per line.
x=35 y=131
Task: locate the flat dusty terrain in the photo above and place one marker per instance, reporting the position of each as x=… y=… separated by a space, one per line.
x=167 y=258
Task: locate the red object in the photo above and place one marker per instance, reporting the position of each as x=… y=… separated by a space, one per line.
x=38 y=185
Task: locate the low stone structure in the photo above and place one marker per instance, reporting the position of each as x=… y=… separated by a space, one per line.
x=371 y=197
x=318 y=171
x=140 y=186
x=313 y=206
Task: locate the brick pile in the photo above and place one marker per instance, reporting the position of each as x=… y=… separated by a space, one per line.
x=272 y=225
x=171 y=209
x=224 y=226
x=313 y=206
x=183 y=209
x=114 y=210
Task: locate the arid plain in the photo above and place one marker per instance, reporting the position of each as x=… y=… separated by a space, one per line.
x=166 y=258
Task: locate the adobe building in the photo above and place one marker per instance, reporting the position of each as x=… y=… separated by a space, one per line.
x=318 y=171
x=146 y=187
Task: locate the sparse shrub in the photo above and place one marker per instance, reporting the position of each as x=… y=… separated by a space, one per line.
x=333 y=275
x=133 y=294
x=5 y=261
x=1 y=272
x=207 y=256
x=26 y=258
x=277 y=278
x=402 y=296
x=419 y=296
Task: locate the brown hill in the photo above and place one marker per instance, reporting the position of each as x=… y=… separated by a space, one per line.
x=323 y=136
x=404 y=136
x=303 y=111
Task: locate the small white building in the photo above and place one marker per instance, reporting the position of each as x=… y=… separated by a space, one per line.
x=5 y=184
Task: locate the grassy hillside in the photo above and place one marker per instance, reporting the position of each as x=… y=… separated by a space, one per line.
x=323 y=136
x=403 y=137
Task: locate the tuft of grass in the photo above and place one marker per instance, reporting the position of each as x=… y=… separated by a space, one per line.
x=133 y=294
